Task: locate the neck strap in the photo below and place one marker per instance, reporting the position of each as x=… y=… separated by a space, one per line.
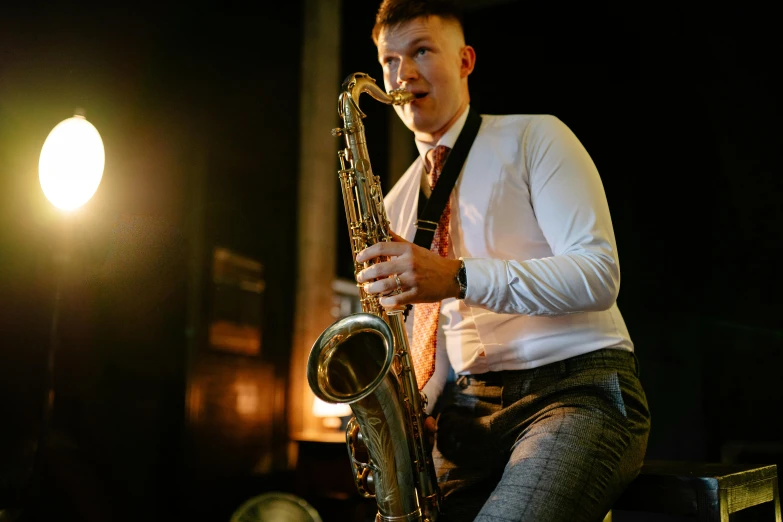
x=428 y=218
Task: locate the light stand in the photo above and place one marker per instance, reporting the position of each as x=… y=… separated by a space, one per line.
x=70 y=170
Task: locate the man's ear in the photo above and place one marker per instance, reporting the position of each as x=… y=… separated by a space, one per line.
x=467 y=57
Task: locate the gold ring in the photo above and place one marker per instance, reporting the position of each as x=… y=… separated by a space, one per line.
x=399 y=284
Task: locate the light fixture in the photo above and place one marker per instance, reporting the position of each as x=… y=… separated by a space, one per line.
x=71 y=164
x=330 y=413
x=70 y=169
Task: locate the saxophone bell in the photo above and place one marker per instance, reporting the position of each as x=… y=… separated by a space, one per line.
x=351 y=362
x=350 y=358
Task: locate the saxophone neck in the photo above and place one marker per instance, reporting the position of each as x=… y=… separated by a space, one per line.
x=356 y=84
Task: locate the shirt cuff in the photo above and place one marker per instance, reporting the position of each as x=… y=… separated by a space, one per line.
x=487 y=281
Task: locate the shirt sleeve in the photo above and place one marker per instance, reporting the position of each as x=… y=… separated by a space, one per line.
x=568 y=199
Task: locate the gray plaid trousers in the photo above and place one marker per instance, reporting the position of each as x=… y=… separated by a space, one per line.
x=557 y=443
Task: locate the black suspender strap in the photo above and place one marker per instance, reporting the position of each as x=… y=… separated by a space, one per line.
x=428 y=218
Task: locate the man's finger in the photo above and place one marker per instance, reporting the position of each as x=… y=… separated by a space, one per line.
x=430 y=425
x=394 y=301
x=378 y=271
x=430 y=428
x=383 y=286
x=383 y=248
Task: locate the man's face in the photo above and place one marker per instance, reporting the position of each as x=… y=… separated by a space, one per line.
x=428 y=57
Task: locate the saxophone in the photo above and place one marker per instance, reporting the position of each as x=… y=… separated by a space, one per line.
x=364 y=359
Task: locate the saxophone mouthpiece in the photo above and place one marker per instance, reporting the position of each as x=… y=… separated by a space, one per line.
x=401 y=96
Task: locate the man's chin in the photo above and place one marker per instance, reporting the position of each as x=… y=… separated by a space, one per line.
x=420 y=125
x=417 y=120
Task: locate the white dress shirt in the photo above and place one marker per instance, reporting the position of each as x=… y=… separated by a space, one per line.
x=529 y=217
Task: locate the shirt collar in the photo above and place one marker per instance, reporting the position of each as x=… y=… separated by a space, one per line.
x=448 y=139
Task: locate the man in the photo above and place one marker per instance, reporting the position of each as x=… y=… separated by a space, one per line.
x=546 y=419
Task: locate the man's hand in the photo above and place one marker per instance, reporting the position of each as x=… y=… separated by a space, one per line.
x=430 y=428
x=423 y=276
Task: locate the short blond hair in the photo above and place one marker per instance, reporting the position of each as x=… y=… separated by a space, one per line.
x=392 y=13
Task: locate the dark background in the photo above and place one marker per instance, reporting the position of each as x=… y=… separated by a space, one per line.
x=198 y=107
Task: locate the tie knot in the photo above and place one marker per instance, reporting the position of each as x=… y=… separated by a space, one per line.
x=435 y=159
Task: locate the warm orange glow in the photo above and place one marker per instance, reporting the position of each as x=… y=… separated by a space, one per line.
x=195 y=403
x=330 y=413
x=71 y=164
x=248 y=398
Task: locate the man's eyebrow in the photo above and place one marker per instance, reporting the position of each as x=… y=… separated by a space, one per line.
x=418 y=41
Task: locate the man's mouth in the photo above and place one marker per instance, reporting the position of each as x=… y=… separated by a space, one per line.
x=419 y=95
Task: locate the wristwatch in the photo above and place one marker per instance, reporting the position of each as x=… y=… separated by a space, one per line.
x=462 y=280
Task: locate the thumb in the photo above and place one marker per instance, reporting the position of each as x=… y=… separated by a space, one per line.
x=395 y=237
x=430 y=425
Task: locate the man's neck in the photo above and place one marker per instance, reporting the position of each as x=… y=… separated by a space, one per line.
x=433 y=138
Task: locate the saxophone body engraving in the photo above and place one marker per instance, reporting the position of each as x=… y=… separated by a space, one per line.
x=364 y=359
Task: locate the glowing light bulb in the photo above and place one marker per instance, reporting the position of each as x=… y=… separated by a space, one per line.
x=71 y=164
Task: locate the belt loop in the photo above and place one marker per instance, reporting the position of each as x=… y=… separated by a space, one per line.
x=637 y=367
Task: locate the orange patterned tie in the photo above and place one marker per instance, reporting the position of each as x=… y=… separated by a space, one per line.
x=425 y=318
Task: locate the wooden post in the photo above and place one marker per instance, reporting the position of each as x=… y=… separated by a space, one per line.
x=317 y=200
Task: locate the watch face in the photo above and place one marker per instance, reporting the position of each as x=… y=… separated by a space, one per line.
x=462 y=280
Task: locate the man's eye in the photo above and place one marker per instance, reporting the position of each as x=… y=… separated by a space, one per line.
x=421 y=51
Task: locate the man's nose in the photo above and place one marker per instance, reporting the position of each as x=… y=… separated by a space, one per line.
x=407 y=71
